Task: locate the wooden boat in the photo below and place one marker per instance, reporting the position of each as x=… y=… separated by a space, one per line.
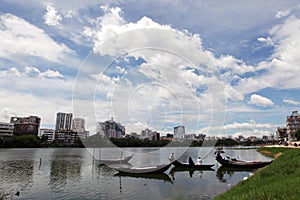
x=178 y=164
x=239 y=163
x=146 y=170
x=156 y=176
x=115 y=161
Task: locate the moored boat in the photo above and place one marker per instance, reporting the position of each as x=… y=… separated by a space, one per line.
x=235 y=163
x=151 y=169
x=178 y=164
x=123 y=160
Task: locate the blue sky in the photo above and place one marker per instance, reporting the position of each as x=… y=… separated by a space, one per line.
x=217 y=67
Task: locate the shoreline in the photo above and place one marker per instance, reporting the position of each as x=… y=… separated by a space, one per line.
x=270 y=182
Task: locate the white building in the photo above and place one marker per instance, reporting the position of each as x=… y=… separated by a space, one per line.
x=151 y=135
x=110 y=129
x=50 y=133
x=78 y=125
x=146 y=133
x=6 y=129
x=179 y=132
x=292 y=124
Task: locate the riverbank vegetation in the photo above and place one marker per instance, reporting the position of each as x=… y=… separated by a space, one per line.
x=31 y=141
x=280 y=180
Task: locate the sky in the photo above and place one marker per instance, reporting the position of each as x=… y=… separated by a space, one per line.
x=216 y=67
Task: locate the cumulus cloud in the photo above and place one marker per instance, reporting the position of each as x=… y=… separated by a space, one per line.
x=11 y=72
x=30 y=71
x=282 y=13
x=267 y=40
x=260 y=100
x=52 y=17
x=51 y=74
x=292 y=102
x=249 y=128
x=19 y=37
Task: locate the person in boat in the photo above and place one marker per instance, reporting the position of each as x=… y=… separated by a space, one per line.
x=191 y=162
x=199 y=161
x=171 y=157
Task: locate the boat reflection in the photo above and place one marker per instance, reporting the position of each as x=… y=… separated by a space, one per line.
x=112 y=166
x=156 y=176
x=191 y=172
x=229 y=171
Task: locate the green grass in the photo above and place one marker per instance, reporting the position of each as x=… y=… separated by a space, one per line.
x=280 y=180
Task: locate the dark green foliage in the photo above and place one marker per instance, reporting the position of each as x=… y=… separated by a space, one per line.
x=24 y=141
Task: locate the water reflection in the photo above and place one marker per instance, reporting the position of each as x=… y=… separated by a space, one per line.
x=65 y=166
x=15 y=175
x=159 y=176
x=191 y=172
x=225 y=173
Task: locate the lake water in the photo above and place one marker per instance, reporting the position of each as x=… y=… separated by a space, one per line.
x=73 y=173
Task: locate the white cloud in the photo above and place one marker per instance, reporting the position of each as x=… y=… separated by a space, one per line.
x=267 y=40
x=292 y=102
x=282 y=13
x=260 y=100
x=18 y=37
x=12 y=72
x=30 y=72
x=51 y=74
x=25 y=104
x=52 y=17
x=234 y=65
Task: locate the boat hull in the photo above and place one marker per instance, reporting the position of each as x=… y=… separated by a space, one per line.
x=145 y=170
x=241 y=164
x=115 y=161
x=178 y=164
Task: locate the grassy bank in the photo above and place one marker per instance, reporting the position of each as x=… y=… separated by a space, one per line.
x=280 y=180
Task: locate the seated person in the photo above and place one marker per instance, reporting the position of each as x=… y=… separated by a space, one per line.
x=199 y=161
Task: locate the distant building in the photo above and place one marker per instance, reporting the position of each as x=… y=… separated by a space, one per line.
x=168 y=136
x=63 y=121
x=78 y=125
x=133 y=135
x=292 y=124
x=48 y=133
x=67 y=138
x=150 y=135
x=110 y=129
x=252 y=138
x=179 y=132
x=191 y=137
x=26 y=125
x=146 y=133
x=155 y=136
x=6 y=129
x=282 y=133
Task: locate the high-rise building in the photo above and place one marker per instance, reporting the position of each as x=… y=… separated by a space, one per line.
x=26 y=125
x=63 y=121
x=179 y=132
x=78 y=125
x=292 y=124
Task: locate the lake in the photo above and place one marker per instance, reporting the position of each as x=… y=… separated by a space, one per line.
x=73 y=173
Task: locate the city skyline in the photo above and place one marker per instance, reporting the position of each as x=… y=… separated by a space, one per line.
x=65 y=123
x=52 y=59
